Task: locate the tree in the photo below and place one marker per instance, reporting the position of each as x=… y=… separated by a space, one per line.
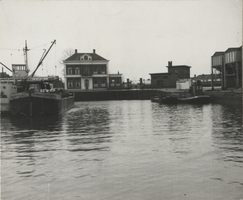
x=65 y=54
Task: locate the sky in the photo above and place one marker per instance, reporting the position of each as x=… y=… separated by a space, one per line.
x=137 y=37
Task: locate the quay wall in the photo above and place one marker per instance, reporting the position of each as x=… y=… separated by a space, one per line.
x=114 y=95
x=230 y=97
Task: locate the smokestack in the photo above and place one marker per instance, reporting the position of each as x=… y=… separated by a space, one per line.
x=93 y=50
x=170 y=63
x=76 y=51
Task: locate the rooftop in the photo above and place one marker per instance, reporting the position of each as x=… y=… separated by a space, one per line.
x=76 y=56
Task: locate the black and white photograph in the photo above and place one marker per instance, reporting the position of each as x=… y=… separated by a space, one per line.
x=121 y=100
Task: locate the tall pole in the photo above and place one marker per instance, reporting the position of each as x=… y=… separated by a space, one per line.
x=26 y=57
x=212 y=76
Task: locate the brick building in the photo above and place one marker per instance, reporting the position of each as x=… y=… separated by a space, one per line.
x=168 y=80
x=85 y=71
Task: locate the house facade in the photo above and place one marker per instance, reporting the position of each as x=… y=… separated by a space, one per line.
x=229 y=65
x=89 y=71
x=168 y=80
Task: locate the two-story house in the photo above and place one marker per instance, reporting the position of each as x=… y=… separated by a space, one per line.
x=87 y=71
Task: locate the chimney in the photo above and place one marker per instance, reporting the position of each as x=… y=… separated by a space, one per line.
x=93 y=50
x=170 y=63
x=76 y=51
x=195 y=76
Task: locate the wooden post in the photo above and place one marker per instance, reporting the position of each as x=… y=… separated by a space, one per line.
x=225 y=76
x=237 y=75
x=212 y=73
x=30 y=109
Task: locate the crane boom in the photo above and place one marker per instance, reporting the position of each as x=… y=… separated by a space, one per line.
x=43 y=57
x=6 y=67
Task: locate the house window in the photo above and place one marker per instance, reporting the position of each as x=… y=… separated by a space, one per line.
x=165 y=77
x=85 y=57
x=70 y=84
x=77 y=70
x=95 y=70
x=69 y=70
x=86 y=70
x=176 y=71
x=103 y=70
x=77 y=84
x=112 y=82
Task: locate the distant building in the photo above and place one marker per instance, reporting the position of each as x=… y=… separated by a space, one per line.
x=88 y=71
x=168 y=80
x=229 y=65
x=206 y=79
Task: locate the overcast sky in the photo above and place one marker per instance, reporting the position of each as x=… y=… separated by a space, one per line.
x=137 y=37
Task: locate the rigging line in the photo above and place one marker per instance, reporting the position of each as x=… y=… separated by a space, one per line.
x=55 y=58
x=40 y=45
x=11 y=49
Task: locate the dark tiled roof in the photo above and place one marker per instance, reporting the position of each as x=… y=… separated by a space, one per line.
x=77 y=56
x=160 y=73
x=206 y=76
x=179 y=66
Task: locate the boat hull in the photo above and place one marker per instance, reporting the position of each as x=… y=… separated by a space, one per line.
x=155 y=99
x=34 y=104
x=202 y=99
x=169 y=100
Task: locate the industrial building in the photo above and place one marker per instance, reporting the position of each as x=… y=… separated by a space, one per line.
x=229 y=65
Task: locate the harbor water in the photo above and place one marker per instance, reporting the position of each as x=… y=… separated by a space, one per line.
x=135 y=150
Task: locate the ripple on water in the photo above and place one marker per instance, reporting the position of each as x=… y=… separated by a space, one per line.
x=124 y=150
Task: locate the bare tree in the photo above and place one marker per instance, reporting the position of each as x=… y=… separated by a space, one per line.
x=66 y=54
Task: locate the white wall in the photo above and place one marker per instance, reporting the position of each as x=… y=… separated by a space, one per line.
x=183 y=84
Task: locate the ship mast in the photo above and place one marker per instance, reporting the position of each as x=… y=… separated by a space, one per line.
x=26 y=57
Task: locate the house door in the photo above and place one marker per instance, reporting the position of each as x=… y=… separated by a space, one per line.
x=86 y=83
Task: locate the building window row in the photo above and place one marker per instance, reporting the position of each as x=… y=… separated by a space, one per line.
x=86 y=70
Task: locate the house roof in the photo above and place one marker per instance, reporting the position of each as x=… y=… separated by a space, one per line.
x=160 y=73
x=179 y=66
x=77 y=56
x=205 y=76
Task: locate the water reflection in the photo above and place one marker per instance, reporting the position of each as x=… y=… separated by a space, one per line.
x=88 y=128
x=227 y=132
x=124 y=149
